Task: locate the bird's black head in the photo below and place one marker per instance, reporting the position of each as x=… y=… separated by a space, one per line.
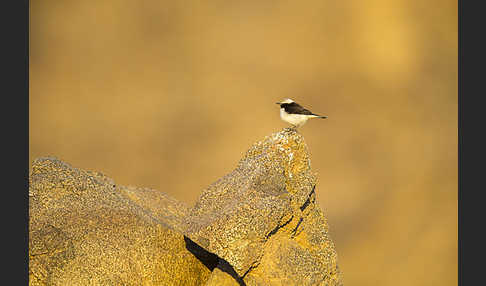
x=285 y=102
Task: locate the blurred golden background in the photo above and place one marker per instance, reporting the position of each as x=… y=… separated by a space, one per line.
x=170 y=94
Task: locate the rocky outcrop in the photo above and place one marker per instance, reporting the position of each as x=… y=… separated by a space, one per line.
x=84 y=231
x=263 y=220
x=258 y=225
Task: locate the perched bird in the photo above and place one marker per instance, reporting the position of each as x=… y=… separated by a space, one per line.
x=291 y=112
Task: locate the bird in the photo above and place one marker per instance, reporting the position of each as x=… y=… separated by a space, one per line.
x=294 y=114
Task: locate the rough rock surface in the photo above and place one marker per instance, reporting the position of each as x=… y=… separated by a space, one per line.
x=84 y=231
x=262 y=219
x=258 y=225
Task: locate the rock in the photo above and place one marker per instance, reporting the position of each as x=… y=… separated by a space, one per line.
x=224 y=275
x=159 y=205
x=85 y=231
x=306 y=258
x=262 y=219
x=258 y=225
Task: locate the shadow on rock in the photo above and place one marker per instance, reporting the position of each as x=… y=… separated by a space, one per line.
x=212 y=261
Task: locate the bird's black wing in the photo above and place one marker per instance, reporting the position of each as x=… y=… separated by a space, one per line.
x=295 y=108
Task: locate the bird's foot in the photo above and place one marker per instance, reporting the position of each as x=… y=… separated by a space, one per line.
x=293 y=128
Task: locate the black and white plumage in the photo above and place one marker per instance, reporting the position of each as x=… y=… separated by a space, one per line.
x=291 y=112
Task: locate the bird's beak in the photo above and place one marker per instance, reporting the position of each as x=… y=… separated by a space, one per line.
x=277 y=103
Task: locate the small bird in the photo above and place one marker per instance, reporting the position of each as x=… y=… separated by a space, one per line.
x=291 y=112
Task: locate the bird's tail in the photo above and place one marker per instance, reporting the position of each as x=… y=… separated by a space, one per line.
x=319 y=116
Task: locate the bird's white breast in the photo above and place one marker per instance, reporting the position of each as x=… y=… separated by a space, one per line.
x=294 y=119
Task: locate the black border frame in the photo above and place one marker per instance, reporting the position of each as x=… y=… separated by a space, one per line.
x=15 y=24
x=470 y=151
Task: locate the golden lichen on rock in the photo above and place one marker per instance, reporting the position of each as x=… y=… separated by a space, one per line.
x=268 y=199
x=258 y=225
x=82 y=231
